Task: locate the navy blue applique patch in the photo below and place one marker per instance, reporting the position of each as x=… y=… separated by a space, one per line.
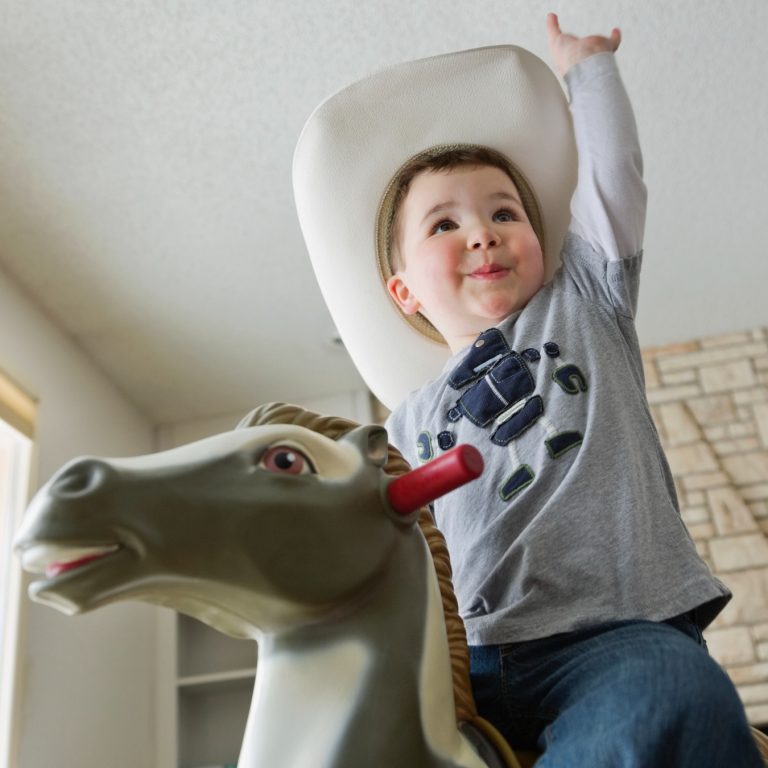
x=571 y=379
x=531 y=355
x=446 y=440
x=563 y=442
x=508 y=382
x=521 y=478
x=424 y=447
x=489 y=347
x=519 y=422
x=497 y=391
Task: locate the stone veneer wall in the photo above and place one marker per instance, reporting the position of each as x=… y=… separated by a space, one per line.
x=709 y=399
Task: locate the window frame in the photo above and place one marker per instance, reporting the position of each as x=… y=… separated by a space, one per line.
x=18 y=413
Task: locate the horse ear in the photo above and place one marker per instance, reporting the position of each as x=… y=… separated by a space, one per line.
x=372 y=443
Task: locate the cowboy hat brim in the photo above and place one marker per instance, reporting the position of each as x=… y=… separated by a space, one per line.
x=353 y=144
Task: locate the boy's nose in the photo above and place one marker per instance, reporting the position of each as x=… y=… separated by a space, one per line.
x=482 y=239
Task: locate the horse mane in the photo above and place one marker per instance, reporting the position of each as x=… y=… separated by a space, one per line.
x=335 y=427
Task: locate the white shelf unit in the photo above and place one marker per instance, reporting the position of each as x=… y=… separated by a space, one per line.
x=212 y=688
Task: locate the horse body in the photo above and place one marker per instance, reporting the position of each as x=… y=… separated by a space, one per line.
x=282 y=535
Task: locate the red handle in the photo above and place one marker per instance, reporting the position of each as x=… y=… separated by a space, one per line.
x=434 y=479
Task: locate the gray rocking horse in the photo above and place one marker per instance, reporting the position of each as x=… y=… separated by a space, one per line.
x=290 y=531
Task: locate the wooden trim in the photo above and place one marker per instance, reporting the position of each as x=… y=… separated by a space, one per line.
x=17 y=408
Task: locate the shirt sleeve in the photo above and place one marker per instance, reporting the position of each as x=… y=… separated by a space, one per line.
x=609 y=204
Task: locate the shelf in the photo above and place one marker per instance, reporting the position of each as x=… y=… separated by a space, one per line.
x=203 y=651
x=215 y=682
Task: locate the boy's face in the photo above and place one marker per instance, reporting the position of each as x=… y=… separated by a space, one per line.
x=469 y=256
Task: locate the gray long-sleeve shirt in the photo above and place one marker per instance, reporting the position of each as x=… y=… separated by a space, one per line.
x=575 y=520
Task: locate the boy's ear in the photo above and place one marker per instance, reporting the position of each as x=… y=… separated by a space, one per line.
x=404 y=298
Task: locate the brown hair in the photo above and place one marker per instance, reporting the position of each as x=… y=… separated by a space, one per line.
x=435 y=160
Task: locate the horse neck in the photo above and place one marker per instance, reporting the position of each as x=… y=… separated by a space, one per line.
x=372 y=687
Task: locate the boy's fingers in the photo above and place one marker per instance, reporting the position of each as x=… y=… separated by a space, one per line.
x=553 y=27
x=615 y=38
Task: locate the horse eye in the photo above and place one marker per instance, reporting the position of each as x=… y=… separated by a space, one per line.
x=285 y=460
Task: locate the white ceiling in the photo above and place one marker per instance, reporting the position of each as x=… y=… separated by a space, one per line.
x=145 y=157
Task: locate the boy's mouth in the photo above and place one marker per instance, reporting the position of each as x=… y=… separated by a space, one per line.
x=490 y=272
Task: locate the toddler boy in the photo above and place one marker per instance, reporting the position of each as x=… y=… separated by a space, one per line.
x=581 y=591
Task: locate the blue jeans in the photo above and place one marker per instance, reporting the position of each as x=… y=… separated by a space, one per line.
x=621 y=695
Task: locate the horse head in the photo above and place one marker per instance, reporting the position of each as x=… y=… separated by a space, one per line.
x=275 y=522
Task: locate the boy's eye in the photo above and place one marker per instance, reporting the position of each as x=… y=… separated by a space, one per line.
x=446 y=225
x=504 y=216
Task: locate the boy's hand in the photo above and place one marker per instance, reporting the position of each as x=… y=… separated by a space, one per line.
x=567 y=50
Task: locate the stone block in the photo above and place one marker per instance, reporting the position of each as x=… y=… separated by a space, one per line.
x=717 y=409
x=675 y=378
x=757 y=715
x=739 y=552
x=739 y=445
x=754 y=694
x=670 y=394
x=761 y=363
x=652 y=379
x=692 y=459
x=704 y=481
x=731 y=646
x=759 y=509
x=711 y=357
x=751 y=396
x=695 y=515
x=679 y=425
x=760 y=633
x=714 y=434
x=701 y=531
x=747 y=468
x=729 y=512
x=725 y=340
x=748 y=675
x=726 y=377
x=749 y=604
x=741 y=429
x=761 y=417
x=761 y=650
x=752 y=493
x=672 y=350
x=656 y=418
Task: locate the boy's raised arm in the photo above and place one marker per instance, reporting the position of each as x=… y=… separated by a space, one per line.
x=609 y=204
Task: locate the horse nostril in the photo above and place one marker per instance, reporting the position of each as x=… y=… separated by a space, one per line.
x=79 y=479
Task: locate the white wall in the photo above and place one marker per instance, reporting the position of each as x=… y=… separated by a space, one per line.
x=354 y=405
x=86 y=683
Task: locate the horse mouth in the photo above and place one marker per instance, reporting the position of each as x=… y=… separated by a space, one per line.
x=56 y=559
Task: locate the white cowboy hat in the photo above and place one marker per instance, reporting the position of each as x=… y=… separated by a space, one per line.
x=355 y=142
